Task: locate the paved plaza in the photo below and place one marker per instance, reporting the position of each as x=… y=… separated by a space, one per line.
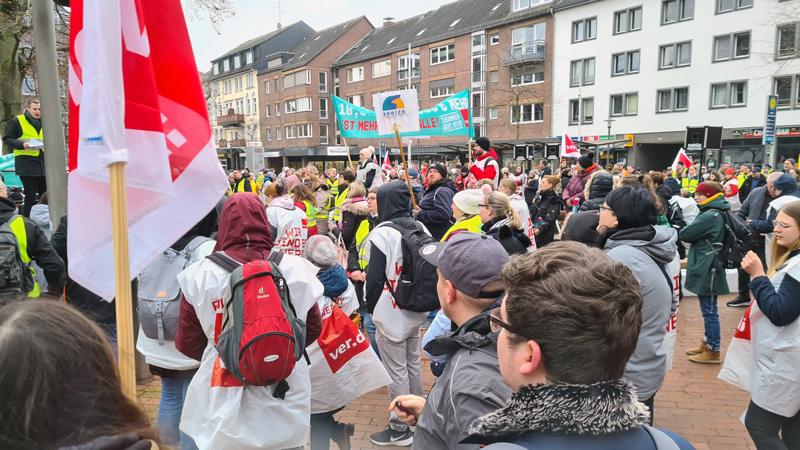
x=693 y=401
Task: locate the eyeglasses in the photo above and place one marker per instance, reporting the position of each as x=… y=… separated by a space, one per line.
x=483 y=206
x=604 y=208
x=781 y=225
x=496 y=323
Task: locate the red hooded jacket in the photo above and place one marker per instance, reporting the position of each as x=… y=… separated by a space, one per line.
x=486 y=170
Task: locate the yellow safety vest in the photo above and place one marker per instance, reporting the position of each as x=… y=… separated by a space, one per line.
x=690 y=184
x=470 y=224
x=339 y=199
x=334 y=185
x=18 y=228
x=28 y=132
x=311 y=214
x=240 y=186
x=742 y=178
x=361 y=243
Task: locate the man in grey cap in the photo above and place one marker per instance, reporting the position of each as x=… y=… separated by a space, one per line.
x=789 y=164
x=471 y=385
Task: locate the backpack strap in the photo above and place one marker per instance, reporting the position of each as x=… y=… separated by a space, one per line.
x=661 y=439
x=224 y=261
x=275 y=257
x=407 y=269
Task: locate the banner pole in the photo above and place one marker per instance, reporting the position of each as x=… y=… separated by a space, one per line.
x=403 y=156
x=349 y=161
x=122 y=271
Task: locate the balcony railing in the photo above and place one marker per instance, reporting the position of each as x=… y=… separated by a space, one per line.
x=403 y=74
x=230 y=120
x=524 y=53
x=478 y=77
x=238 y=143
x=222 y=143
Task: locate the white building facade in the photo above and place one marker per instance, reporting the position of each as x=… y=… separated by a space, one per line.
x=655 y=67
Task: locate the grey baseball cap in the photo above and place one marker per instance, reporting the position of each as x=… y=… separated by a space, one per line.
x=469 y=261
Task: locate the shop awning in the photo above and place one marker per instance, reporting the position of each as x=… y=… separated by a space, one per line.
x=603 y=146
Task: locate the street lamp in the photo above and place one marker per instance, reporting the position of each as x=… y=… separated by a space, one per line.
x=608 y=151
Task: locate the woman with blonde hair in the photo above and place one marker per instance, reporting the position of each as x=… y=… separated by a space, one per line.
x=511 y=189
x=304 y=199
x=354 y=210
x=502 y=222
x=774 y=404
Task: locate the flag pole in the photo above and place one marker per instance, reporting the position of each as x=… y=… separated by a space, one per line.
x=396 y=128
x=122 y=271
x=349 y=161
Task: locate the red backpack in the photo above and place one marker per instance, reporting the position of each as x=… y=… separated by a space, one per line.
x=261 y=339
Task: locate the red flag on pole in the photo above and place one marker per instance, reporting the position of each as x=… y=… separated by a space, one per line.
x=387 y=163
x=568 y=147
x=135 y=97
x=681 y=157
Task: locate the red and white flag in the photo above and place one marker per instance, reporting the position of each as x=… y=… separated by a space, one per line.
x=387 y=163
x=135 y=97
x=568 y=147
x=681 y=157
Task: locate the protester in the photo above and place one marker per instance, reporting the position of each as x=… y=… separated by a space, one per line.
x=413 y=176
x=690 y=179
x=367 y=169
x=471 y=385
x=775 y=406
x=60 y=385
x=323 y=200
x=628 y=234
x=566 y=331
x=789 y=164
x=731 y=186
x=518 y=177
x=466 y=205
x=511 y=189
x=28 y=158
x=345 y=178
x=464 y=179
x=688 y=206
x=397 y=331
x=544 y=211
x=531 y=188
x=705 y=274
x=305 y=200
x=596 y=190
x=486 y=161
x=357 y=263
x=435 y=210
x=502 y=222
x=354 y=210
x=574 y=189
x=440 y=325
x=566 y=175
x=40 y=215
x=242 y=183
x=321 y=252
x=332 y=180
x=753 y=208
x=218 y=410
x=785 y=191
x=286 y=221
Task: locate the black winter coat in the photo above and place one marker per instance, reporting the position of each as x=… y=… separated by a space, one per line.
x=601 y=185
x=748 y=186
x=352 y=215
x=531 y=187
x=544 y=213
x=514 y=241
x=436 y=208
x=24 y=166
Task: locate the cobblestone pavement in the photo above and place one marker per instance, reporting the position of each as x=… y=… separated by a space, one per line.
x=693 y=402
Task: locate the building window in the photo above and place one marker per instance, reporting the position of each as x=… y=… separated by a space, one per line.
x=672 y=100
x=269 y=134
x=277 y=109
x=582 y=72
x=443 y=54
x=731 y=5
x=289 y=107
x=584 y=30
x=788 y=41
x=216 y=68
x=732 y=46
x=226 y=65
x=249 y=78
x=304 y=130
x=625 y=104
x=277 y=84
x=527 y=41
x=323 y=81
x=581 y=111
x=382 y=68
x=628 y=20
x=493 y=113
x=625 y=63
x=408 y=66
x=788 y=91
x=323 y=134
x=675 y=55
x=355 y=74
x=278 y=133
x=249 y=57
x=533 y=75
x=227 y=86
x=494 y=76
x=266 y=111
x=290 y=132
x=516 y=5
x=303 y=104
x=237 y=62
x=323 y=108
x=673 y=11
x=240 y=106
x=727 y=95
x=494 y=39
x=247 y=101
x=443 y=88
x=356 y=100
x=528 y=113
x=266 y=87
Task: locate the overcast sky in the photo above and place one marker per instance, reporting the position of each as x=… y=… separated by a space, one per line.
x=257 y=17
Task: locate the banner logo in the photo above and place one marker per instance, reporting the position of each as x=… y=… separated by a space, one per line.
x=393 y=106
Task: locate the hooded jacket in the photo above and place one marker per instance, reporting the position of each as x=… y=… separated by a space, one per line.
x=436 y=207
x=288 y=224
x=544 y=214
x=366 y=172
x=352 y=215
x=642 y=250
x=577 y=183
x=582 y=227
x=703 y=275
x=599 y=416
x=486 y=166
x=599 y=187
x=470 y=386
x=664 y=193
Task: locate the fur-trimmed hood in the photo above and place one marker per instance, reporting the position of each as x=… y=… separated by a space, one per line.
x=599 y=408
x=358 y=208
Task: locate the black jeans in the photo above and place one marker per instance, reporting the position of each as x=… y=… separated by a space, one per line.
x=33 y=188
x=324 y=428
x=650 y=403
x=763 y=427
x=744 y=277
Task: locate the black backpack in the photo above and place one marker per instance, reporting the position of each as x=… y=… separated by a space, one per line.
x=416 y=290
x=675 y=216
x=736 y=242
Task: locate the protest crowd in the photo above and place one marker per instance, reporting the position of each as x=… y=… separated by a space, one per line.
x=541 y=300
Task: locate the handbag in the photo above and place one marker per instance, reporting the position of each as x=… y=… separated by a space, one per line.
x=341 y=252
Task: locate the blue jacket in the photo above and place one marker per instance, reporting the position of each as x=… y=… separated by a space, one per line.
x=765 y=226
x=436 y=208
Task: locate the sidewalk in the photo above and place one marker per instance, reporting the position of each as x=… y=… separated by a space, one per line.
x=692 y=402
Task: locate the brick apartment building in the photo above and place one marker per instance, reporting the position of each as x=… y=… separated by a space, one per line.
x=295 y=86
x=233 y=96
x=500 y=50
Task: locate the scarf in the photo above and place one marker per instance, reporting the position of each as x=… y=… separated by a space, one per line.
x=37 y=123
x=334 y=280
x=709 y=199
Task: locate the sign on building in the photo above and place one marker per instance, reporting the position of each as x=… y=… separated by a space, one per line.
x=769 y=127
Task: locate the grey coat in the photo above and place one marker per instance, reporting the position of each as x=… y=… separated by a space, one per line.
x=471 y=386
x=639 y=249
x=755 y=205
